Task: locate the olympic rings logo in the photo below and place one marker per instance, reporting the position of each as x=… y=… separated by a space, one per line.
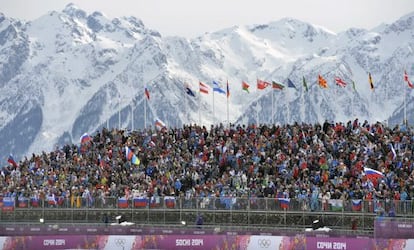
x=263 y=243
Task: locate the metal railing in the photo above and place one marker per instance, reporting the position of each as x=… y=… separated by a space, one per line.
x=398 y=207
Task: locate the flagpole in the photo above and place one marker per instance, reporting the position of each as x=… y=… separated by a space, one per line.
x=119 y=111
x=132 y=115
x=287 y=105
x=199 y=108
x=273 y=111
x=145 y=111
x=214 y=117
x=227 y=93
x=108 y=113
x=405 y=104
x=257 y=113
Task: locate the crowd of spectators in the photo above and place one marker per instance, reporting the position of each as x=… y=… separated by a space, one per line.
x=324 y=161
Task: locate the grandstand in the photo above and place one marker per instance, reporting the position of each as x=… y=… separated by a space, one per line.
x=254 y=178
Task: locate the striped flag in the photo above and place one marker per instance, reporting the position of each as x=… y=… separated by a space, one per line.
x=169 y=201
x=203 y=88
x=159 y=124
x=245 y=86
x=122 y=202
x=372 y=173
x=12 y=161
x=8 y=204
x=140 y=201
x=284 y=202
x=356 y=205
x=276 y=85
x=217 y=88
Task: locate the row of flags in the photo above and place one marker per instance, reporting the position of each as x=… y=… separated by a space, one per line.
x=261 y=85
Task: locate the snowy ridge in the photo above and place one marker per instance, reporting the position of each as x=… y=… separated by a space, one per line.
x=71 y=72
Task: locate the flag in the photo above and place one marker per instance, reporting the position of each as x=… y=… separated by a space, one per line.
x=356 y=205
x=371 y=84
x=394 y=154
x=169 y=201
x=410 y=85
x=203 y=88
x=284 y=202
x=122 y=202
x=245 y=86
x=135 y=160
x=276 y=85
x=304 y=84
x=8 y=204
x=159 y=124
x=336 y=204
x=189 y=91
x=85 y=138
x=34 y=201
x=322 y=82
x=262 y=84
x=128 y=153
x=228 y=89
x=23 y=202
x=147 y=94
x=353 y=85
x=340 y=82
x=140 y=201
x=372 y=173
x=12 y=161
x=216 y=88
x=290 y=84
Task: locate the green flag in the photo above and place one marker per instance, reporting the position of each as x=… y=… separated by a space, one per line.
x=305 y=85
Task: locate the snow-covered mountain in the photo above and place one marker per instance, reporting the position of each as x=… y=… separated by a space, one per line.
x=71 y=72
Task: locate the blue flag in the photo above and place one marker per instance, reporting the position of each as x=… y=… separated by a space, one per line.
x=290 y=84
x=216 y=88
x=189 y=91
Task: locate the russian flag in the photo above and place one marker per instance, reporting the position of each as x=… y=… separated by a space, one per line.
x=34 y=201
x=85 y=138
x=122 y=203
x=356 y=205
x=140 y=202
x=8 y=204
x=23 y=202
x=128 y=153
x=169 y=201
x=284 y=202
x=154 y=202
x=12 y=161
x=372 y=173
x=159 y=124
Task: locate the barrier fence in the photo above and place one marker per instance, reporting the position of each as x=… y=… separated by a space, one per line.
x=398 y=207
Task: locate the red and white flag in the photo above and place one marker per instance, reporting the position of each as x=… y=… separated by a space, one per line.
x=408 y=80
x=340 y=82
x=203 y=88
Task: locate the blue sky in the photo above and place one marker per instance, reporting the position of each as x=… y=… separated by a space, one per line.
x=191 y=18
